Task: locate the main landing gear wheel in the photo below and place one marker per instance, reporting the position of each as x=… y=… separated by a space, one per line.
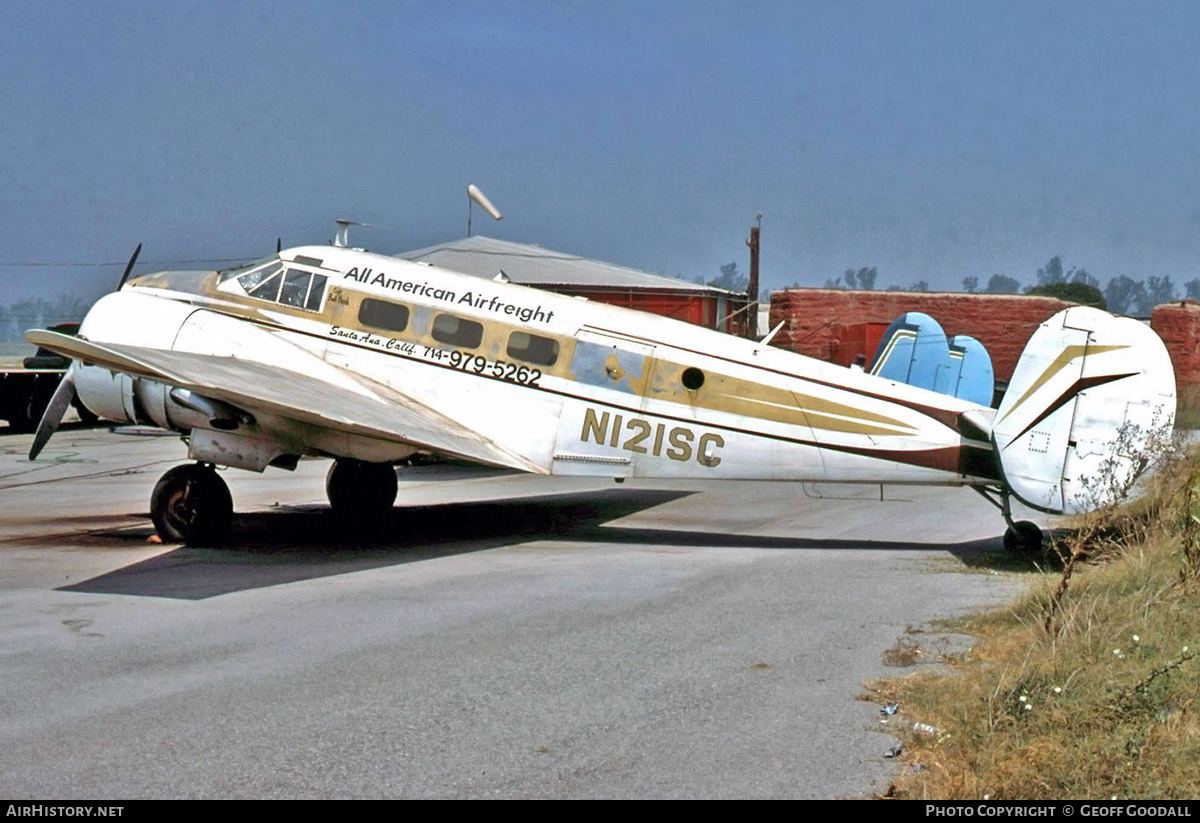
x=359 y=489
x=1023 y=537
x=191 y=504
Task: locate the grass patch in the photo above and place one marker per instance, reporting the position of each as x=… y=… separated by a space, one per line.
x=1089 y=686
x=1187 y=407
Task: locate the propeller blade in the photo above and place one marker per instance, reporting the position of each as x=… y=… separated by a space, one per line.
x=278 y=245
x=129 y=266
x=53 y=415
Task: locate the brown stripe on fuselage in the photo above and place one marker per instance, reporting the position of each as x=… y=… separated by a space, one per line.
x=970 y=459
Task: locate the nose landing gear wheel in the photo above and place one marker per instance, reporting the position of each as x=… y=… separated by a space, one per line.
x=192 y=505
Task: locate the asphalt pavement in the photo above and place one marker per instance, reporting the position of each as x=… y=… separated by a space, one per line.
x=498 y=636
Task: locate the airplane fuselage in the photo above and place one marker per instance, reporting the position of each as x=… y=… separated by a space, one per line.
x=564 y=385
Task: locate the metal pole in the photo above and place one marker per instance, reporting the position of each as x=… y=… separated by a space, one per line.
x=752 y=287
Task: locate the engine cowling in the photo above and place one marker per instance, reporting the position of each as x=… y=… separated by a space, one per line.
x=133 y=319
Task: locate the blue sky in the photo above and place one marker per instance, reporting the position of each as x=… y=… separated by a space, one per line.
x=930 y=139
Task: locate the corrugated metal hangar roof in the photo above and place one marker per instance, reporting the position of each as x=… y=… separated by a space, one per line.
x=535 y=266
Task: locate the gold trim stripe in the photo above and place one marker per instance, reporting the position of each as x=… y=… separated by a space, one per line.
x=1069 y=354
x=814 y=413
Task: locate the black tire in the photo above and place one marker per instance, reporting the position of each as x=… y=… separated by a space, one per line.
x=1023 y=537
x=86 y=415
x=27 y=421
x=46 y=360
x=356 y=488
x=192 y=505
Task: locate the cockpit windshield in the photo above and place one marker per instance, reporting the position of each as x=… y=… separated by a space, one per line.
x=262 y=282
x=275 y=283
x=236 y=271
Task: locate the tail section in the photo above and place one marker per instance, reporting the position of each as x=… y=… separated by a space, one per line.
x=914 y=350
x=1089 y=400
x=975 y=380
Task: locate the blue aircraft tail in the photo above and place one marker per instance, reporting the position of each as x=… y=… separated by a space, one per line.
x=914 y=350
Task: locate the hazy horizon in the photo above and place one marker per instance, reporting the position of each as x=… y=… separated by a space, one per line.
x=931 y=141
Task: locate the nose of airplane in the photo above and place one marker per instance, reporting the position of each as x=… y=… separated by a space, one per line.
x=188 y=282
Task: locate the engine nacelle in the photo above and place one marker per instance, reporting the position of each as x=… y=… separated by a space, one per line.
x=220 y=432
x=133 y=319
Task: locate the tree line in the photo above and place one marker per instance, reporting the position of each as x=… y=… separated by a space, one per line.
x=39 y=313
x=1121 y=295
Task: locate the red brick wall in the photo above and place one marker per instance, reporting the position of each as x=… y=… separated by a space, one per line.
x=698 y=309
x=1178 y=324
x=819 y=319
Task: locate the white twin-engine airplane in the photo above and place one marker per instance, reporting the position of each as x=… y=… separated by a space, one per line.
x=367 y=359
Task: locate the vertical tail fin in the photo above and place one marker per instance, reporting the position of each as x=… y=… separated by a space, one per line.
x=914 y=350
x=1090 y=398
x=976 y=380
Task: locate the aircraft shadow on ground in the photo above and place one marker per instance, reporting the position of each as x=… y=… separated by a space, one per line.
x=294 y=544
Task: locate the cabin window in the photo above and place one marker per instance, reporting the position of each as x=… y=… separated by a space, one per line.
x=457 y=331
x=315 y=292
x=380 y=314
x=533 y=348
x=295 y=287
x=693 y=379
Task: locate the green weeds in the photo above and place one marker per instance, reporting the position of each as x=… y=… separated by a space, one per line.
x=1089 y=686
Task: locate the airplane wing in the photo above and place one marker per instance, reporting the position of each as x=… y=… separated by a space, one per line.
x=346 y=402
